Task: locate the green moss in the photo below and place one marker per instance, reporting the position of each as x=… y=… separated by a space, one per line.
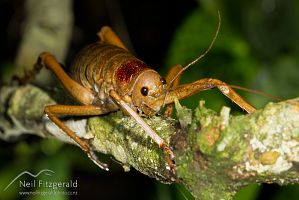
x=198 y=171
x=183 y=113
x=123 y=138
x=23 y=100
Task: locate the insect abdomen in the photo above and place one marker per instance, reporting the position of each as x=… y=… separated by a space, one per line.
x=98 y=63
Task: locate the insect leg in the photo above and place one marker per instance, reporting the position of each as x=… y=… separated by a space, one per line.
x=186 y=90
x=80 y=93
x=53 y=111
x=148 y=130
x=171 y=74
x=107 y=35
x=29 y=75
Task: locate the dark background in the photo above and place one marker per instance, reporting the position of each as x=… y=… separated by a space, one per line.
x=257 y=48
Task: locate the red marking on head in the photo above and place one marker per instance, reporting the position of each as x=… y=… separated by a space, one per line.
x=129 y=69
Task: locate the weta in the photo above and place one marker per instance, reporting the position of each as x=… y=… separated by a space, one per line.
x=106 y=77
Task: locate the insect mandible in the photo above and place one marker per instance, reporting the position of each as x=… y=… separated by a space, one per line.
x=105 y=77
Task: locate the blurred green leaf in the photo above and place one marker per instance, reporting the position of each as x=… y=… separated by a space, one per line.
x=60 y=164
x=286 y=192
x=7 y=174
x=163 y=192
x=50 y=146
x=172 y=192
x=5 y=68
x=182 y=193
x=250 y=192
x=230 y=60
x=279 y=78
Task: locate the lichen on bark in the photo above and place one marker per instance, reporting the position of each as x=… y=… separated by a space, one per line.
x=121 y=137
x=226 y=153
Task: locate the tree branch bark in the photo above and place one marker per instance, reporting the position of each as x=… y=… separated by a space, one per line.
x=215 y=154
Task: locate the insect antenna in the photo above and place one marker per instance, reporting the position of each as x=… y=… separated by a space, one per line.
x=257 y=92
x=202 y=55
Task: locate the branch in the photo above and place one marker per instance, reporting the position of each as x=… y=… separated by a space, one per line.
x=215 y=154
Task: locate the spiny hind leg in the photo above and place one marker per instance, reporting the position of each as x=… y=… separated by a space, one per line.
x=29 y=75
x=231 y=94
x=183 y=91
x=171 y=74
x=107 y=35
x=53 y=111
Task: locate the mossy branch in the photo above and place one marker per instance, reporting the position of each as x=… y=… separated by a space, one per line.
x=215 y=154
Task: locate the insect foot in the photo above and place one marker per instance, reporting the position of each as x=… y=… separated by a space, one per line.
x=95 y=159
x=169 y=157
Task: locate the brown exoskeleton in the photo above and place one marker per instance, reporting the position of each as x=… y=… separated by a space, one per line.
x=105 y=77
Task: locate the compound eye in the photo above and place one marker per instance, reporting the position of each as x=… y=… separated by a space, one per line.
x=144 y=91
x=163 y=81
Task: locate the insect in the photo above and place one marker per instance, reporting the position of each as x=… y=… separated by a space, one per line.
x=106 y=77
